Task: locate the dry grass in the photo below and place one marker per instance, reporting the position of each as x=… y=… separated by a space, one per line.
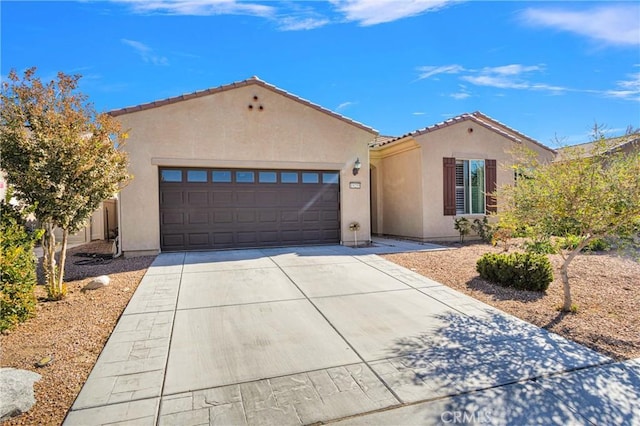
x=73 y=331
x=605 y=287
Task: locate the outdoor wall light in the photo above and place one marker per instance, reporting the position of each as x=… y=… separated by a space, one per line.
x=356 y=166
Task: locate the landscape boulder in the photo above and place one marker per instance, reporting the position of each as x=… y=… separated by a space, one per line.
x=96 y=283
x=16 y=392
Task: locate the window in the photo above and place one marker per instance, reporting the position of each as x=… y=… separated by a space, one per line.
x=267 y=177
x=171 y=175
x=221 y=176
x=245 y=177
x=289 y=177
x=196 y=175
x=470 y=189
x=330 y=177
x=310 y=178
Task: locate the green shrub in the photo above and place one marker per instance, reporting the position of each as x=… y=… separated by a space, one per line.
x=484 y=229
x=597 y=244
x=523 y=271
x=539 y=247
x=463 y=226
x=17 y=269
x=570 y=242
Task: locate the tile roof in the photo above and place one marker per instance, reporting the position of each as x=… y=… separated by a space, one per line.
x=586 y=149
x=477 y=117
x=250 y=81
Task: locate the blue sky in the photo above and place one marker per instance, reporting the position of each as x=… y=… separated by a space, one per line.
x=548 y=69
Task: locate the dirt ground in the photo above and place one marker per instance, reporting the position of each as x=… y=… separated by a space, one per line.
x=606 y=289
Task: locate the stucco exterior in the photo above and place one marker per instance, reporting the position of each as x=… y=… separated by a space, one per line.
x=413 y=166
x=246 y=125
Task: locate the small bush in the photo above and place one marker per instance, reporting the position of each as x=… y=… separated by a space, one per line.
x=463 y=226
x=570 y=242
x=523 y=271
x=597 y=244
x=17 y=269
x=539 y=247
x=484 y=229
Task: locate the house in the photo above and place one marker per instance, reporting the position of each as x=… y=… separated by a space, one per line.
x=422 y=180
x=251 y=165
x=625 y=144
x=242 y=165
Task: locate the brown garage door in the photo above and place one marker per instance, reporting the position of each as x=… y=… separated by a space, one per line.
x=227 y=208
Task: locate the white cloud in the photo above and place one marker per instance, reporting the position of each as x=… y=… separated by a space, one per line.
x=460 y=95
x=418 y=113
x=344 y=105
x=616 y=24
x=512 y=76
x=430 y=71
x=295 y=24
x=627 y=89
x=145 y=52
x=200 y=7
x=372 y=12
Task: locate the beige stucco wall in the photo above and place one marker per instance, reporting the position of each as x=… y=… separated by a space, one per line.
x=219 y=130
x=399 y=176
x=409 y=176
x=465 y=140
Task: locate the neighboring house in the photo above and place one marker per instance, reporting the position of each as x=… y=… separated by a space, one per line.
x=102 y=225
x=242 y=165
x=626 y=144
x=422 y=180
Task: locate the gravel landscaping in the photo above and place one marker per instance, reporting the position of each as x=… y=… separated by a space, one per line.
x=73 y=331
x=606 y=289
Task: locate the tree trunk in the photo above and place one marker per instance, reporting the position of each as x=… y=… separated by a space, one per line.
x=62 y=291
x=564 y=272
x=49 y=260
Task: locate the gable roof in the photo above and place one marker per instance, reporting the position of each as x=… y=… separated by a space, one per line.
x=476 y=117
x=248 y=82
x=612 y=144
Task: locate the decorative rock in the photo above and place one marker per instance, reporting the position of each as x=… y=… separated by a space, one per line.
x=16 y=389
x=97 y=283
x=47 y=360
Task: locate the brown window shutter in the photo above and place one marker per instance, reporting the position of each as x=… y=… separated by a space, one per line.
x=491 y=184
x=449 y=179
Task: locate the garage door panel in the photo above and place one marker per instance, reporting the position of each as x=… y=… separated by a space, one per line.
x=223 y=198
x=172 y=198
x=198 y=218
x=291 y=235
x=173 y=240
x=246 y=216
x=247 y=237
x=268 y=216
x=246 y=197
x=288 y=196
x=289 y=216
x=222 y=238
x=272 y=209
x=199 y=239
x=311 y=216
x=269 y=237
x=267 y=198
x=222 y=217
x=172 y=218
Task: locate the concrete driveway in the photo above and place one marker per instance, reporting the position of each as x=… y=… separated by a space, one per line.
x=322 y=334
